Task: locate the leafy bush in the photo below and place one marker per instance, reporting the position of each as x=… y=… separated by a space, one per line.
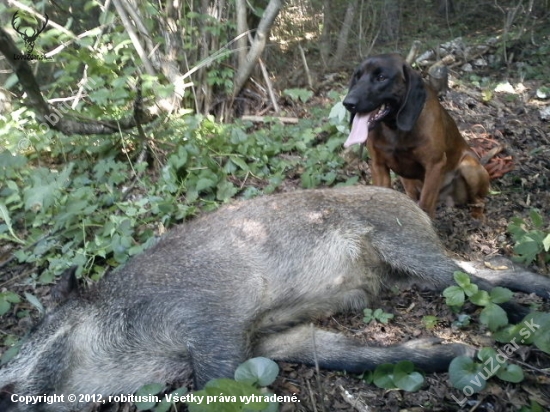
x=492 y=315
x=378 y=314
x=302 y=95
x=471 y=376
x=533 y=330
x=532 y=240
x=6 y=300
x=402 y=375
x=430 y=321
x=464 y=372
x=95 y=205
x=244 y=393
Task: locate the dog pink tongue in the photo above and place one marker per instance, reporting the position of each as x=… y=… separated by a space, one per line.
x=359 y=129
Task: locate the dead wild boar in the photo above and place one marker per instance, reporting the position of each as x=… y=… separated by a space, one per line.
x=244 y=281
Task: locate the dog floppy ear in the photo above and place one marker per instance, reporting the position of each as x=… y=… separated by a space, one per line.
x=414 y=100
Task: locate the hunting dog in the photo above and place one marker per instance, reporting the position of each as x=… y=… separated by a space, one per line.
x=408 y=131
x=243 y=281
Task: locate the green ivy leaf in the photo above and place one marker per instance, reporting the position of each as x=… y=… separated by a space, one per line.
x=260 y=370
x=510 y=373
x=507 y=333
x=204 y=183
x=461 y=278
x=298 y=94
x=488 y=356
x=541 y=325
x=6 y=299
x=527 y=248
x=10 y=353
x=406 y=378
x=165 y=405
x=33 y=300
x=464 y=372
x=239 y=162
x=542 y=341
x=145 y=390
x=481 y=298
x=227 y=387
x=430 y=321
x=532 y=325
x=383 y=376
x=486 y=353
x=226 y=190
x=515 y=227
x=463 y=320
x=500 y=295
x=368 y=315
x=4 y=307
x=338 y=112
x=536 y=218
x=493 y=316
x=470 y=289
x=454 y=296
x=11 y=297
x=385 y=317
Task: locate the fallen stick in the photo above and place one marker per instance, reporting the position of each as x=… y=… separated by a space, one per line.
x=291 y=120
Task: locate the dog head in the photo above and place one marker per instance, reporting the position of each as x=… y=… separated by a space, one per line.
x=384 y=88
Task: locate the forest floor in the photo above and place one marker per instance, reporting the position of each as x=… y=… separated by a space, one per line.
x=514 y=121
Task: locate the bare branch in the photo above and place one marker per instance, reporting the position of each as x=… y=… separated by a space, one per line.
x=134 y=38
x=258 y=45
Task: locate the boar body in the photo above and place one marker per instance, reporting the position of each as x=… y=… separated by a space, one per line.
x=244 y=281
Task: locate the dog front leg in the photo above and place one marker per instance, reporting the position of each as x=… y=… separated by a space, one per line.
x=433 y=179
x=379 y=170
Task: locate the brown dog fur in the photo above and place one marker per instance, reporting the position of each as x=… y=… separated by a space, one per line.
x=410 y=133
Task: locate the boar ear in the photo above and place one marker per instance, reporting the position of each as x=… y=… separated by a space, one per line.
x=66 y=287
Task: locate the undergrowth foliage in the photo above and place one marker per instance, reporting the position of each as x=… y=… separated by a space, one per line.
x=246 y=392
x=470 y=376
x=90 y=201
x=532 y=239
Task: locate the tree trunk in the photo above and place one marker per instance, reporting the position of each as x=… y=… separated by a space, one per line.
x=342 y=42
x=242 y=28
x=206 y=95
x=446 y=7
x=258 y=45
x=324 y=43
x=390 y=21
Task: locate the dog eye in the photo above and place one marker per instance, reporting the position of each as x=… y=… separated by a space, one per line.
x=381 y=77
